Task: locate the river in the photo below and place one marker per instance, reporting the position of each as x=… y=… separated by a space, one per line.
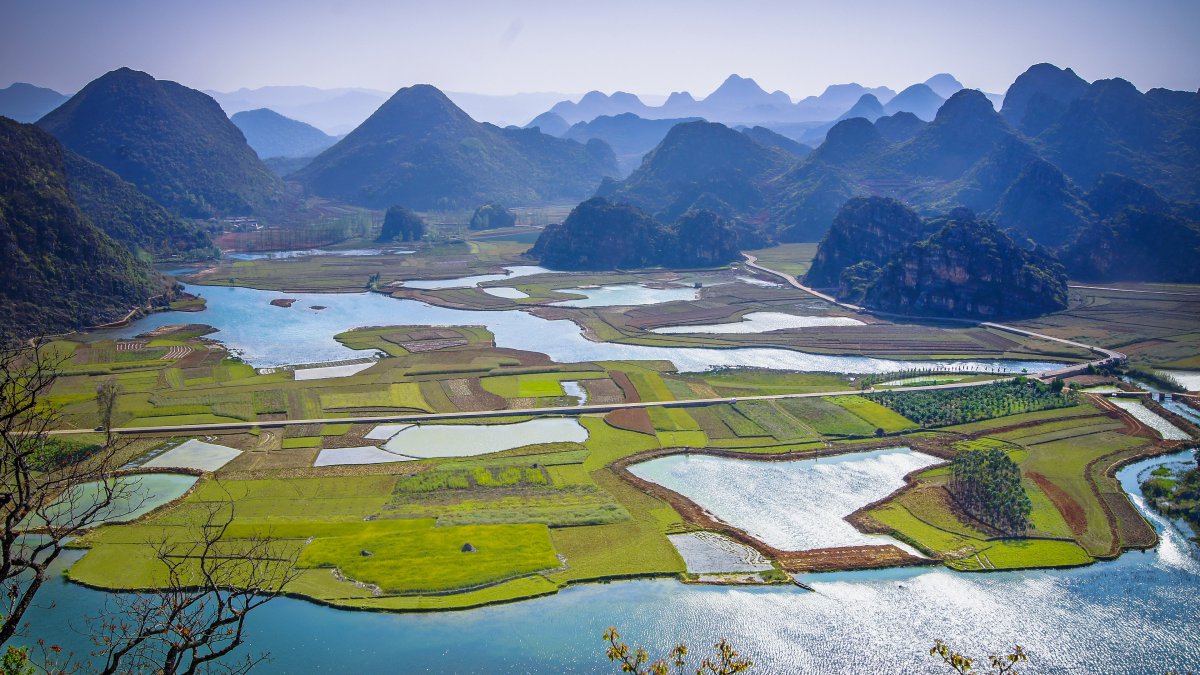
x=1138 y=613
x=267 y=336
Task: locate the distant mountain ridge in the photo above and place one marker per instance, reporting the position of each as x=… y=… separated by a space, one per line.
x=25 y=102
x=630 y=136
x=741 y=101
x=969 y=155
x=173 y=143
x=273 y=135
x=421 y=151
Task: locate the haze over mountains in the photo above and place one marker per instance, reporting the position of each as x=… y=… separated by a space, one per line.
x=422 y=151
x=741 y=101
x=1101 y=175
x=273 y=135
x=27 y=103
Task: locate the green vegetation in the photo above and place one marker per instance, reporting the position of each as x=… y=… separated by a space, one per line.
x=407 y=556
x=874 y=413
x=492 y=216
x=986 y=483
x=400 y=224
x=599 y=235
x=956 y=406
x=63 y=271
x=438 y=158
x=174 y=143
x=1064 y=469
x=1177 y=494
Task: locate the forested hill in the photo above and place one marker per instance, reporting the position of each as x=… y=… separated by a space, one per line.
x=421 y=150
x=601 y=235
x=58 y=271
x=881 y=254
x=173 y=143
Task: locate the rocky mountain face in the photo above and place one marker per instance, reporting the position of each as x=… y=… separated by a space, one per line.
x=601 y=235
x=422 y=150
x=969 y=269
x=866 y=229
x=273 y=135
x=58 y=270
x=172 y=143
x=25 y=102
x=1039 y=96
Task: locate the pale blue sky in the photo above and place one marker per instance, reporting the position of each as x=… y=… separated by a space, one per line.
x=500 y=47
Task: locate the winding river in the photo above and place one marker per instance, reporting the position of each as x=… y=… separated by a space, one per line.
x=1138 y=613
x=266 y=336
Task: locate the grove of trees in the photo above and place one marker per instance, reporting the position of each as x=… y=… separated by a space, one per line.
x=944 y=407
x=986 y=483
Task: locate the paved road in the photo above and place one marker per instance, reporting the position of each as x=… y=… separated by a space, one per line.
x=752 y=261
x=559 y=410
x=1132 y=290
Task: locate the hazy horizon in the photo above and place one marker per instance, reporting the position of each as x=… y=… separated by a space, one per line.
x=527 y=46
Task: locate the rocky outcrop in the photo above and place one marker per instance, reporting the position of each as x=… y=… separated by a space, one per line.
x=969 y=269
x=866 y=229
x=601 y=235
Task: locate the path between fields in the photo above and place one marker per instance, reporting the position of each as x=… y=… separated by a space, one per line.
x=1108 y=356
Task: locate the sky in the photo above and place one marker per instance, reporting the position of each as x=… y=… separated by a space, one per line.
x=646 y=47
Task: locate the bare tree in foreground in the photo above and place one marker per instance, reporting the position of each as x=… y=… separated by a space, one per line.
x=198 y=616
x=50 y=491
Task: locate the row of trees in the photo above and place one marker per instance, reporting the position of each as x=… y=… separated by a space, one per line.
x=944 y=407
x=986 y=483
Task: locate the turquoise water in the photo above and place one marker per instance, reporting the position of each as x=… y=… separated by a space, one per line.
x=268 y=336
x=1136 y=614
x=136 y=496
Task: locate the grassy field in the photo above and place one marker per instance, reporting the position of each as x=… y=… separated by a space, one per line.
x=1061 y=462
x=545 y=516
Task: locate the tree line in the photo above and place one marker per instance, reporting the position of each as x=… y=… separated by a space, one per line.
x=945 y=407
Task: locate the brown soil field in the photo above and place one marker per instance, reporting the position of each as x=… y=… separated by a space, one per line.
x=631 y=419
x=1070 y=509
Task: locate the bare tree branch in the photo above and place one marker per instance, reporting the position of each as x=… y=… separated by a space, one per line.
x=50 y=491
x=197 y=618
